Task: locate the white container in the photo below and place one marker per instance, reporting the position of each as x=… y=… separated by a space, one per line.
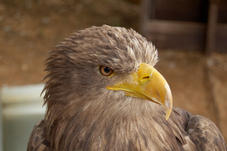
x=21 y=110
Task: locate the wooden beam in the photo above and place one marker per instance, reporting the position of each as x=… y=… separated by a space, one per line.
x=171 y=27
x=183 y=35
x=221 y=38
x=176 y=34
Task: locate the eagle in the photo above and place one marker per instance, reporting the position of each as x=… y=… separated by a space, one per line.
x=103 y=93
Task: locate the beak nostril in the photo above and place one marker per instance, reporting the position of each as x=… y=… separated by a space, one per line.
x=146 y=77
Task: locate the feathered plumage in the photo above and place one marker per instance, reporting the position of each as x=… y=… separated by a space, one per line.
x=83 y=115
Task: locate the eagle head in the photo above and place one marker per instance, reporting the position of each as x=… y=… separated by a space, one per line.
x=102 y=74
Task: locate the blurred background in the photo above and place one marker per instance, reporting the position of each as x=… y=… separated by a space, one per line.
x=189 y=34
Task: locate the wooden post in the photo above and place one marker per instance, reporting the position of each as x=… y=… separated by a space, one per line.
x=1 y=125
x=147 y=7
x=210 y=46
x=211 y=26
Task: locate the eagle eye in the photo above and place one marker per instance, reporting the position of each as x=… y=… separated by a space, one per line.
x=106 y=71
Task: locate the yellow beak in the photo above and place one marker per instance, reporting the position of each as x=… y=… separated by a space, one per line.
x=149 y=84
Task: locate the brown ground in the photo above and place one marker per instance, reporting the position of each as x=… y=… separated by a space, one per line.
x=30 y=28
